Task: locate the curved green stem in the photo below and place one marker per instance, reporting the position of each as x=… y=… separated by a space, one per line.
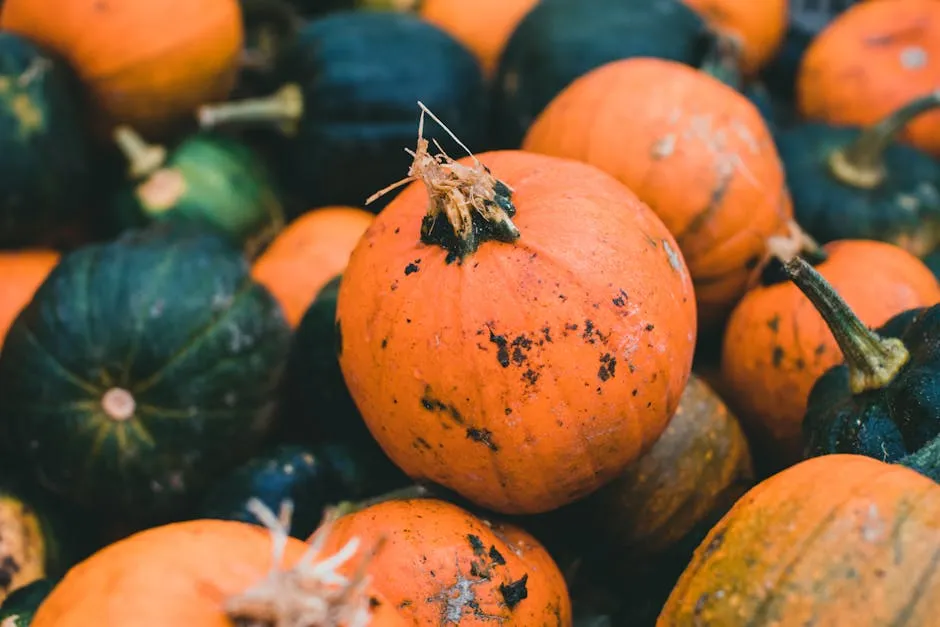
x=143 y=159
x=285 y=108
x=873 y=361
x=270 y=26
x=926 y=461
x=861 y=163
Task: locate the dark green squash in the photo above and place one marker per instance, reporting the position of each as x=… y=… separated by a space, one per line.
x=209 y=180
x=17 y=610
x=853 y=183
x=313 y=478
x=352 y=82
x=44 y=150
x=560 y=40
x=141 y=370
x=884 y=401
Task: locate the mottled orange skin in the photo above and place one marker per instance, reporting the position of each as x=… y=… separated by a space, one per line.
x=693 y=149
x=483 y=26
x=493 y=377
x=177 y=574
x=835 y=540
x=696 y=469
x=439 y=565
x=147 y=64
x=21 y=274
x=871 y=60
x=308 y=254
x=760 y=26
x=776 y=344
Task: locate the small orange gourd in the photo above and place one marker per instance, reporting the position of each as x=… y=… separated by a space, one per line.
x=515 y=327
x=308 y=254
x=440 y=565
x=776 y=344
x=146 y=64
x=759 y=26
x=870 y=61
x=21 y=273
x=698 y=153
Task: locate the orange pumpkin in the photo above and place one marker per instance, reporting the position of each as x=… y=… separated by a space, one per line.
x=870 y=61
x=146 y=64
x=203 y=573
x=483 y=26
x=760 y=26
x=698 y=153
x=520 y=361
x=306 y=255
x=835 y=540
x=776 y=344
x=440 y=565
x=21 y=274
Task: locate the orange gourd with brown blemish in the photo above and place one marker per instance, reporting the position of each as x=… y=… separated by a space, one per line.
x=146 y=64
x=835 y=540
x=440 y=565
x=870 y=61
x=483 y=26
x=21 y=274
x=759 y=26
x=693 y=149
x=307 y=254
x=776 y=344
x=522 y=335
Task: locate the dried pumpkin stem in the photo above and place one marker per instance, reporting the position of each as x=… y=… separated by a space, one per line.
x=284 y=108
x=143 y=159
x=401 y=6
x=873 y=361
x=926 y=460
x=861 y=163
x=277 y=24
x=723 y=60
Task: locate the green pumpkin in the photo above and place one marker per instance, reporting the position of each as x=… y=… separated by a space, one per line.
x=561 y=40
x=855 y=183
x=348 y=106
x=312 y=478
x=19 y=607
x=884 y=401
x=209 y=180
x=44 y=154
x=141 y=369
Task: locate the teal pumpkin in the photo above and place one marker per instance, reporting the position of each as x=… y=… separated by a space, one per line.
x=44 y=150
x=855 y=183
x=141 y=370
x=210 y=180
x=19 y=607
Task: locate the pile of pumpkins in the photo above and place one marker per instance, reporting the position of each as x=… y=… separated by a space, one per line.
x=517 y=312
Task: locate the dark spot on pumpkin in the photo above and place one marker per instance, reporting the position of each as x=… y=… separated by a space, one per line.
x=374 y=603
x=507 y=411
x=422 y=443
x=777 y=356
x=547 y=332
x=530 y=376
x=631 y=367
x=476 y=544
x=649 y=327
x=514 y=592
x=405 y=603
x=338 y=339
x=520 y=347
x=397 y=231
x=384 y=342
x=820 y=349
x=752 y=262
x=635 y=392
x=608 y=367
x=562 y=297
x=432 y=404
x=621 y=299
x=394 y=286
x=588 y=331
x=8 y=569
x=496 y=556
x=411 y=268
x=483 y=436
x=774 y=323
x=700 y=604
x=799 y=363
x=714 y=544
x=502 y=349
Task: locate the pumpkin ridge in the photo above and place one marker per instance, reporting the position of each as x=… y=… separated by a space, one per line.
x=69 y=376
x=920 y=588
x=155 y=378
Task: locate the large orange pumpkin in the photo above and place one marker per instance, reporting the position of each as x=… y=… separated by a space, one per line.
x=760 y=26
x=440 y=565
x=694 y=149
x=147 y=64
x=871 y=60
x=518 y=328
x=835 y=540
x=483 y=26
x=205 y=573
x=776 y=344
x=21 y=273
x=306 y=255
